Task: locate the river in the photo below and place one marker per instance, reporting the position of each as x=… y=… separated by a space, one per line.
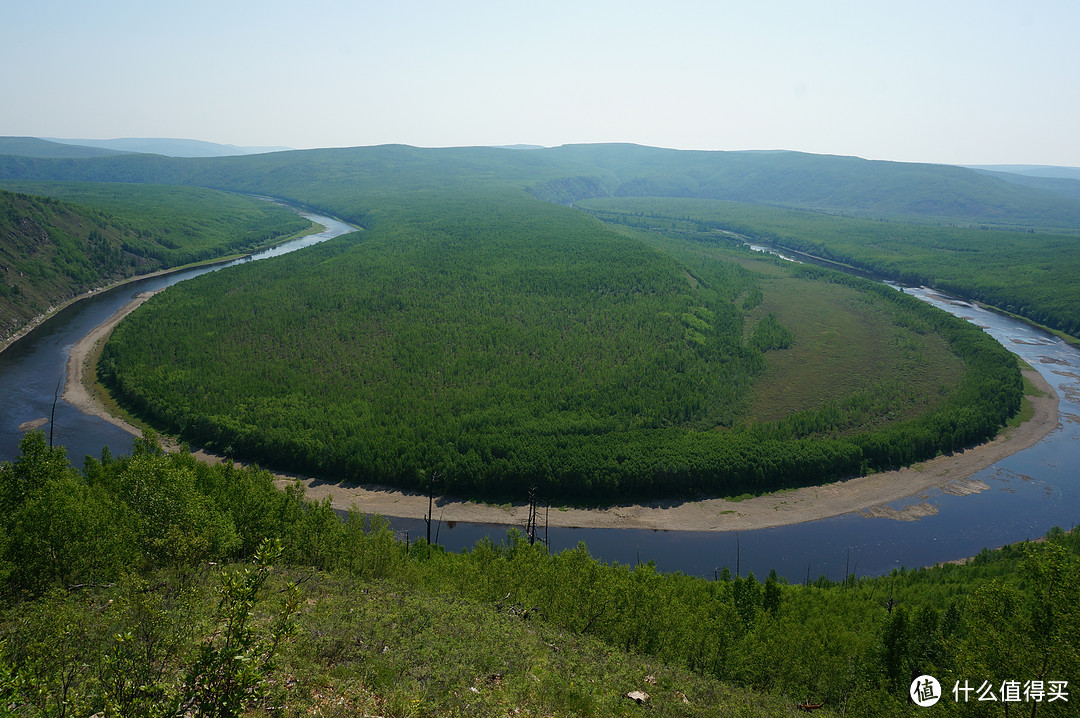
x=31 y=367
x=1027 y=494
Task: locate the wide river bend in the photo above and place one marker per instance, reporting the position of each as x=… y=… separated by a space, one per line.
x=1027 y=493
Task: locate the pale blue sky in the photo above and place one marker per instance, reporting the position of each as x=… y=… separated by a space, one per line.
x=976 y=82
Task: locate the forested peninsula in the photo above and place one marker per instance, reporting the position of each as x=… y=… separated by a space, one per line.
x=539 y=350
x=477 y=335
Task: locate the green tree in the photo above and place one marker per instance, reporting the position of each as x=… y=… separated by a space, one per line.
x=770 y=599
x=1026 y=629
x=57 y=529
x=230 y=670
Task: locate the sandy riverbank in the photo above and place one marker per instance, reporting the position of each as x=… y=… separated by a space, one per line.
x=866 y=494
x=51 y=311
x=80 y=373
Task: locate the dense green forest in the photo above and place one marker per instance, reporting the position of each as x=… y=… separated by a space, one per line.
x=59 y=240
x=156 y=585
x=1032 y=274
x=475 y=332
x=502 y=343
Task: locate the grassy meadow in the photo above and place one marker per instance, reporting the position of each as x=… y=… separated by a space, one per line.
x=838 y=332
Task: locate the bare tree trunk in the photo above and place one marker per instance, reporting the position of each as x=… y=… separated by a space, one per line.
x=52 y=415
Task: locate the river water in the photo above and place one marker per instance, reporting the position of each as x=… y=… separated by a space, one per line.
x=31 y=367
x=1029 y=492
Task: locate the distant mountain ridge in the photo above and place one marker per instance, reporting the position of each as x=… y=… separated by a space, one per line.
x=169 y=147
x=76 y=149
x=36 y=147
x=1062 y=172
x=1064 y=181
x=827 y=183
x=822 y=183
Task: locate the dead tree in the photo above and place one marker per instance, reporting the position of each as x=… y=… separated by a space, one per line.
x=430 y=500
x=52 y=415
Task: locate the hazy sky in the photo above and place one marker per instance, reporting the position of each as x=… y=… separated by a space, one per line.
x=971 y=81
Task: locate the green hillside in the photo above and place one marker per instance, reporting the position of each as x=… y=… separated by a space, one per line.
x=52 y=250
x=843 y=185
x=346 y=182
x=155 y=585
x=1067 y=184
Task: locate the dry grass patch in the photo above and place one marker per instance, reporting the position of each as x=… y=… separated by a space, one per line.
x=846 y=343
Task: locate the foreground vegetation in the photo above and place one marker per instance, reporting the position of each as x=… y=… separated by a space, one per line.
x=152 y=584
x=504 y=343
x=59 y=240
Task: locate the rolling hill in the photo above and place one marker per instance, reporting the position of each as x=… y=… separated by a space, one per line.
x=170 y=147
x=34 y=147
x=840 y=185
x=59 y=241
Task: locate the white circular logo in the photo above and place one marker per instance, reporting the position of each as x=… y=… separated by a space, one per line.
x=925 y=691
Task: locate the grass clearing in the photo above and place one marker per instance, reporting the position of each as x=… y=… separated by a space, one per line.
x=1027 y=409
x=846 y=345
x=391 y=650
